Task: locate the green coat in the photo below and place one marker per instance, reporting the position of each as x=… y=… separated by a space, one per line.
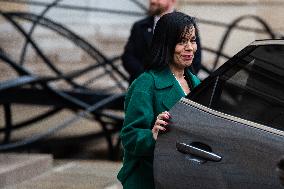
x=150 y=94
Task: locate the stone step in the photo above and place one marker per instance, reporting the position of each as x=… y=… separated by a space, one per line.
x=79 y=174
x=16 y=168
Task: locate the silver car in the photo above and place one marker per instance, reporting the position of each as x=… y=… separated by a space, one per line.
x=229 y=132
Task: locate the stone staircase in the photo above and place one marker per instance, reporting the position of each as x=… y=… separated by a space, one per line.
x=15 y=168
x=40 y=171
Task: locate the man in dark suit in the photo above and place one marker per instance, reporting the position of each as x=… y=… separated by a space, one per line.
x=136 y=54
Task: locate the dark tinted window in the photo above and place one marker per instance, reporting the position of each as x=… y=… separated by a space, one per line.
x=252 y=89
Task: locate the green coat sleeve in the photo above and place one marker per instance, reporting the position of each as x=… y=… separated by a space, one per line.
x=136 y=135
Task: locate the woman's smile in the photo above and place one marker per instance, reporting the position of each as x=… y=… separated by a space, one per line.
x=185 y=49
x=187 y=57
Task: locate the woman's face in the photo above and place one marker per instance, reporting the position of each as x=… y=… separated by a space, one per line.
x=185 y=49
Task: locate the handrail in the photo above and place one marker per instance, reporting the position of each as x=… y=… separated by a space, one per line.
x=26 y=77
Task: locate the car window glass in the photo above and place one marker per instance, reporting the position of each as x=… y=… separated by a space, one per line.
x=254 y=88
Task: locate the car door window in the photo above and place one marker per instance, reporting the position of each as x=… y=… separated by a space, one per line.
x=252 y=89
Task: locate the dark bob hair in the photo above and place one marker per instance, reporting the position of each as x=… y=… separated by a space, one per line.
x=167 y=34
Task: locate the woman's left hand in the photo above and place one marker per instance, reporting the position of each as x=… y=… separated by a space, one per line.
x=160 y=124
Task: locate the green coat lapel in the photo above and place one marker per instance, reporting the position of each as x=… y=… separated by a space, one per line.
x=170 y=90
x=174 y=95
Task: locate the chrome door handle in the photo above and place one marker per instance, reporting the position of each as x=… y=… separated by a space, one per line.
x=195 y=151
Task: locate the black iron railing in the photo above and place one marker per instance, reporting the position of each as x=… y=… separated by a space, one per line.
x=83 y=100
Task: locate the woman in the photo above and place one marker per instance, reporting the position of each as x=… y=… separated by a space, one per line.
x=153 y=93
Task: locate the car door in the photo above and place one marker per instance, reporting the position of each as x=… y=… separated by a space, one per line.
x=232 y=135
x=209 y=149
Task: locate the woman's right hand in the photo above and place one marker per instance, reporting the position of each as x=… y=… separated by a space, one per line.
x=160 y=123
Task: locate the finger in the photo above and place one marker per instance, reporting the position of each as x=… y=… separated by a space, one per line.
x=168 y=114
x=158 y=127
x=165 y=116
x=161 y=122
x=162 y=117
x=164 y=112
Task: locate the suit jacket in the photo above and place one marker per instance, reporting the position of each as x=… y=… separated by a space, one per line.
x=136 y=54
x=150 y=94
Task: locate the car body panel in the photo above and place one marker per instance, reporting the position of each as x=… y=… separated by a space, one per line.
x=249 y=151
x=228 y=133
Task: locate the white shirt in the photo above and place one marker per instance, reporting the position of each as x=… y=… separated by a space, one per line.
x=156 y=18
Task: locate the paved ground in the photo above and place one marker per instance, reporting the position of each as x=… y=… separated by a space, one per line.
x=80 y=164
x=85 y=163
x=77 y=174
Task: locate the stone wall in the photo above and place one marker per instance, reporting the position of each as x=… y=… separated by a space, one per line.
x=224 y=11
x=109 y=31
